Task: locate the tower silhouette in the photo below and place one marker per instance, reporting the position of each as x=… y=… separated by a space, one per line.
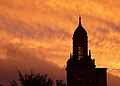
x=81 y=69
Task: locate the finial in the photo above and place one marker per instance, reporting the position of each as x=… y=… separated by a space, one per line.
x=79 y=20
x=89 y=53
x=71 y=55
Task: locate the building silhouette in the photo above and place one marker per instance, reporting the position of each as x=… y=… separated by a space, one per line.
x=81 y=69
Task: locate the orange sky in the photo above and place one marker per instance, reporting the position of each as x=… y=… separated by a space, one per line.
x=42 y=30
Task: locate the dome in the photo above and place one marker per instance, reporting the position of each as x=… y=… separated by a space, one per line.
x=80 y=31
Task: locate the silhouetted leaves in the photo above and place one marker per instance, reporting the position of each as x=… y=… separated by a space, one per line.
x=35 y=79
x=0 y=84
x=13 y=83
x=60 y=83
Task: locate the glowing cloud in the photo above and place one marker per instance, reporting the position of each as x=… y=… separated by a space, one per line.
x=45 y=28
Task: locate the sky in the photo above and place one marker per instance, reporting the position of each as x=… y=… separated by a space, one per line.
x=38 y=34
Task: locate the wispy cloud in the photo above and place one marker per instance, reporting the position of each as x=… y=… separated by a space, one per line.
x=43 y=29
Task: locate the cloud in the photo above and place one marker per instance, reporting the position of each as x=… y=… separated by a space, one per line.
x=113 y=80
x=39 y=29
x=25 y=60
x=43 y=29
x=103 y=41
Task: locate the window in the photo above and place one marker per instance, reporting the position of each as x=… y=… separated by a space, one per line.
x=80 y=53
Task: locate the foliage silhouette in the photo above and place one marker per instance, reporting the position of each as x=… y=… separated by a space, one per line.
x=60 y=83
x=35 y=79
x=13 y=83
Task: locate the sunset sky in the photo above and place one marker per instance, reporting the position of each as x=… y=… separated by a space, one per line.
x=38 y=34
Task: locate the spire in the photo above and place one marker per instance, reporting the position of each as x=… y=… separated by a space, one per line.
x=79 y=20
x=71 y=55
x=89 y=53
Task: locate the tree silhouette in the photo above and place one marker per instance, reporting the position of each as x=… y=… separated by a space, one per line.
x=35 y=79
x=60 y=83
x=13 y=83
x=0 y=84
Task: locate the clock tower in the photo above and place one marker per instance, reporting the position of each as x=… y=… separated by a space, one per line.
x=81 y=69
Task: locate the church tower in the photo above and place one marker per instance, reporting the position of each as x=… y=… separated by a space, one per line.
x=81 y=69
